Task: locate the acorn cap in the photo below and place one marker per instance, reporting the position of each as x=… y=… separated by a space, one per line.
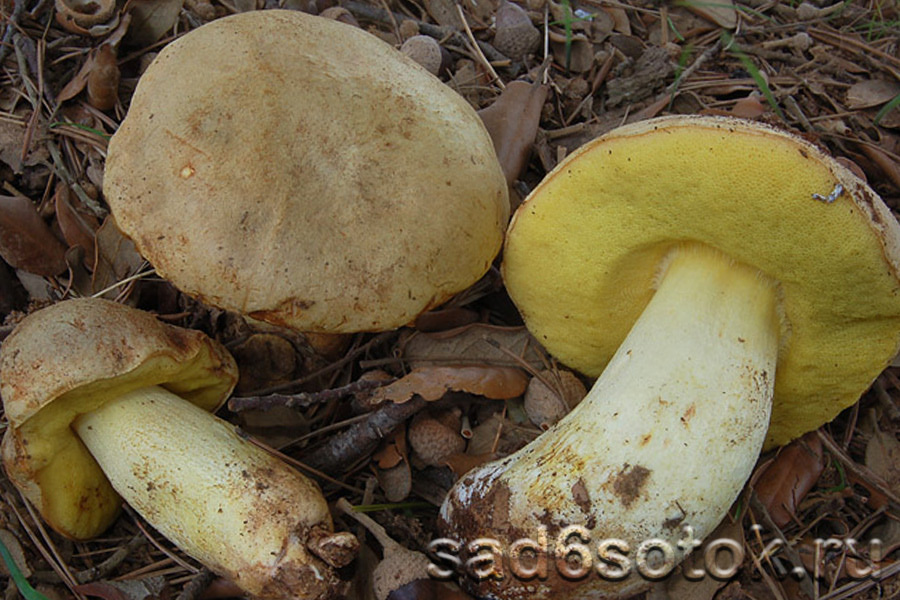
x=66 y=360
x=327 y=187
x=584 y=251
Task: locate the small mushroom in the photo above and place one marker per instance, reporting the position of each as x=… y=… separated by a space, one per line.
x=330 y=188
x=732 y=286
x=401 y=573
x=106 y=403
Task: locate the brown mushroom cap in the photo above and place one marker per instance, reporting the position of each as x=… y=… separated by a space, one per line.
x=68 y=359
x=303 y=172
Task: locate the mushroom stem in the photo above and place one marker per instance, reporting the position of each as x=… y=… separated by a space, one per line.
x=676 y=423
x=221 y=499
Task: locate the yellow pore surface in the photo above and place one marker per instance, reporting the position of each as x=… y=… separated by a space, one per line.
x=583 y=251
x=67 y=360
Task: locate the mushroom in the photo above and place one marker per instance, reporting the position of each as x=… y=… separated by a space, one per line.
x=327 y=187
x=733 y=287
x=104 y=402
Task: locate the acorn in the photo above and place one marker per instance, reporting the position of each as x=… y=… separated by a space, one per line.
x=435 y=436
x=544 y=405
x=516 y=36
x=339 y=13
x=103 y=79
x=424 y=50
x=408 y=28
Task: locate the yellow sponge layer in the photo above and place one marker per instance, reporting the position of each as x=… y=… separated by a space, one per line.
x=583 y=251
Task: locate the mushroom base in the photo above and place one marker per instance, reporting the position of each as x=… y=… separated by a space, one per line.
x=222 y=500
x=657 y=451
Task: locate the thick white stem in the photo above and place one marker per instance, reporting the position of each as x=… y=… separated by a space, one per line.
x=221 y=499
x=666 y=438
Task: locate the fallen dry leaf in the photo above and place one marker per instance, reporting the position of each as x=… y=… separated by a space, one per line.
x=26 y=242
x=151 y=19
x=837 y=561
x=498 y=435
x=476 y=344
x=703 y=587
x=147 y=588
x=444 y=13
x=115 y=257
x=265 y=360
x=888 y=165
x=621 y=23
x=575 y=53
x=78 y=82
x=275 y=427
x=883 y=457
x=788 y=478
x=463 y=462
x=431 y=383
x=392 y=451
x=748 y=108
x=77 y=228
x=14 y=137
x=871 y=92
x=721 y=12
x=512 y=121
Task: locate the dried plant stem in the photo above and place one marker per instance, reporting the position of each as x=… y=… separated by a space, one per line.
x=112 y=562
x=477 y=49
x=170 y=555
x=12 y=24
x=304 y=467
x=127 y=280
x=196 y=586
x=857 y=469
x=47 y=550
x=361 y=439
x=374 y=529
x=858 y=587
x=302 y=399
x=373 y=13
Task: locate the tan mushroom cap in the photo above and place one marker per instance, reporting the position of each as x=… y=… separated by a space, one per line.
x=304 y=172
x=583 y=251
x=66 y=360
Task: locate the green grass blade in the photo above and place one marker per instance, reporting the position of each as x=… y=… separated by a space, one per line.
x=28 y=592
x=679 y=71
x=761 y=83
x=97 y=132
x=886 y=109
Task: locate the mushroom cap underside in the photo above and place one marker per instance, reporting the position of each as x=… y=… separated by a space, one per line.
x=325 y=187
x=584 y=251
x=67 y=359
